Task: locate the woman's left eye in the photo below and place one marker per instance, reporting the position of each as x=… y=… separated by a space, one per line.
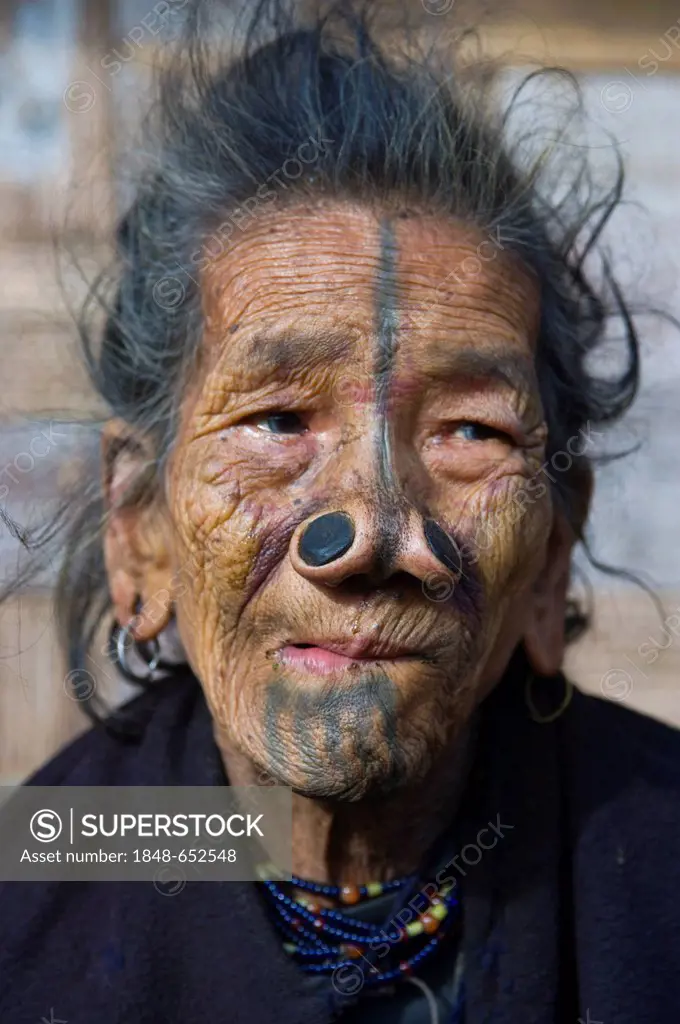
x=280 y=423
x=471 y=431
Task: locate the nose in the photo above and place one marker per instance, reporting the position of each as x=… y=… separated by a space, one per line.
x=362 y=540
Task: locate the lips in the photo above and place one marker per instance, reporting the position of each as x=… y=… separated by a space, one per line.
x=333 y=655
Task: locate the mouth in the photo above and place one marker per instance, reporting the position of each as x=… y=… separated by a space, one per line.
x=333 y=656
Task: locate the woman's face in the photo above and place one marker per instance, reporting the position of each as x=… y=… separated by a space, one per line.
x=380 y=366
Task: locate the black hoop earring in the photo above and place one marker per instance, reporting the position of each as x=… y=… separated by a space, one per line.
x=149 y=653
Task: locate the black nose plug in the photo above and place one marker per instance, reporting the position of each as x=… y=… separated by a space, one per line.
x=326 y=538
x=441 y=545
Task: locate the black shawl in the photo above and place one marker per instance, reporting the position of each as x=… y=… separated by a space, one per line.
x=575 y=914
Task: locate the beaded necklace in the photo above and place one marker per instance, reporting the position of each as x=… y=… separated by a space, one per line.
x=323 y=940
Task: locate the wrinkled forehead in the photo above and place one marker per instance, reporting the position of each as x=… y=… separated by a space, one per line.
x=324 y=284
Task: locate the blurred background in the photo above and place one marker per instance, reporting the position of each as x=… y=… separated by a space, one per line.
x=73 y=82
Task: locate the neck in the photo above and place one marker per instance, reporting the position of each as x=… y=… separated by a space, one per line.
x=372 y=840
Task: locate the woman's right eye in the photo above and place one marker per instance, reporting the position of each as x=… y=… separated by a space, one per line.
x=279 y=423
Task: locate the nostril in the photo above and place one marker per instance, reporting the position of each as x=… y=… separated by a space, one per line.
x=441 y=545
x=326 y=539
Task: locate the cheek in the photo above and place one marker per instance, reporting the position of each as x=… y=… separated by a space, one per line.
x=259 y=465
x=234 y=516
x=504 y=528
x=204 y=507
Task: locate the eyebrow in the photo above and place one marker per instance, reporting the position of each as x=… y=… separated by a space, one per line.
x=515 y=371
x=293 y=351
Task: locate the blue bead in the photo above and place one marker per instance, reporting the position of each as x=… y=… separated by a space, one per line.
x=314 y=955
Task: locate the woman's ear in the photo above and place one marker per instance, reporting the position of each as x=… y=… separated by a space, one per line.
x=137 y=548
x=544 y=632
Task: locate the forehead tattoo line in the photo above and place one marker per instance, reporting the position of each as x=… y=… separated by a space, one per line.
x=391 y=513
x=387 y=343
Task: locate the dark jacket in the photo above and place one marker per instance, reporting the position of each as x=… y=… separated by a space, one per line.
x=574 y=914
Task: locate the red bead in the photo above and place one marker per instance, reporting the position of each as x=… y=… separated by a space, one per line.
x=318 y=922
x=405 y=967
x=296 y=923
x=351 y=951
x=430 y=924
x=350 y=894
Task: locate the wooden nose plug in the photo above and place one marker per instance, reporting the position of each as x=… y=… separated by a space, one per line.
x=326 y=538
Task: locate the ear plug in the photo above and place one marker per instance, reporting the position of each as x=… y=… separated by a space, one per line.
x=441 y=545
x=326 y=538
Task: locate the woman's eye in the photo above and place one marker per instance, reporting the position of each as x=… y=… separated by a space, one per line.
x=280 y=423
x=470 y=431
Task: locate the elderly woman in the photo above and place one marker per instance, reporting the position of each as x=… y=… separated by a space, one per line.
x=353 y=405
